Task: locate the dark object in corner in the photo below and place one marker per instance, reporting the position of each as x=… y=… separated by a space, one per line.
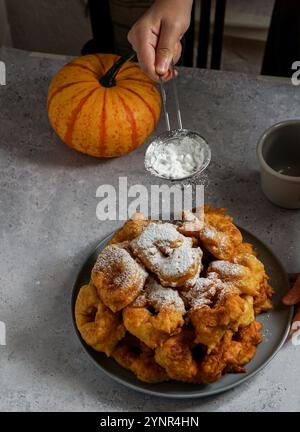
x=283 y=44
x=103 y=40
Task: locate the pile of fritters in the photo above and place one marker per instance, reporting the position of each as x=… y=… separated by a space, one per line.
x=176 y=301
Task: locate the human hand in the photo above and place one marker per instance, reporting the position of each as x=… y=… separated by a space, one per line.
x=156 y=36
x=293 y=297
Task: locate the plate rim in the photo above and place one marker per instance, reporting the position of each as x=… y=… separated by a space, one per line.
x=179 y=394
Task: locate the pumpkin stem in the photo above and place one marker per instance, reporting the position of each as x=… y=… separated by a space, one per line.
x=109 y=79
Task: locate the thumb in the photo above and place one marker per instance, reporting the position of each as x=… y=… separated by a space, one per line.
x=168 y=39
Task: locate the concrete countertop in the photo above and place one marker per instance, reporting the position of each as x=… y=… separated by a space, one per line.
x=49 y=225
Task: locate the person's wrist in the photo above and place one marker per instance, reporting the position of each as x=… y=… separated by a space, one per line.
x=180 y=2
x=185 y=5
x=174 y=11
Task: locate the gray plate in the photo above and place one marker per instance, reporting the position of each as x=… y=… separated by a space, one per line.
x=275 y=330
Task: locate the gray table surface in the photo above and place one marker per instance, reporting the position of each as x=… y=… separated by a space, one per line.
x=48 y=226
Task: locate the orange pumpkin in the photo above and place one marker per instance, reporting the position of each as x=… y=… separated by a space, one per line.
x=103 y=105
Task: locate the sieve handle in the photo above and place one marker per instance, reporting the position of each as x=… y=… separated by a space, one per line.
x=176 y=100
x=175 y=92
x=164 y=102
